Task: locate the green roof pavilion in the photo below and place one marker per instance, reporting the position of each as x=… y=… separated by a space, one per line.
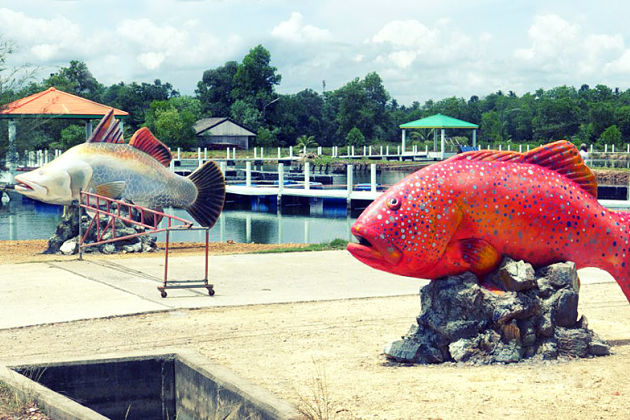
x=442 y=122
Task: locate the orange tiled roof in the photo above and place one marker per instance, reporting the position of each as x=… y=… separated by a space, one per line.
x=56 y=102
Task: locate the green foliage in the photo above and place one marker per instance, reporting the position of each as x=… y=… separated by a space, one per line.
x=172 y=121
x=355 y=138
x=306 y=141
x=265 y=138
x=255 y=78
x=76 y=79
x=246 y=114
x=70 y=136
x=611 y=135
x=214 y=91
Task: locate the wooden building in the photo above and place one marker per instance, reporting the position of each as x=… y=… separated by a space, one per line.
x=222 y=132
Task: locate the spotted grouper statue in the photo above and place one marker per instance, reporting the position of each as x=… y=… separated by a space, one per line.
x=465 y=213
x=137 y=171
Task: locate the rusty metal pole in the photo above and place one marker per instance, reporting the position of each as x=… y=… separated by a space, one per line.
x=80 y=241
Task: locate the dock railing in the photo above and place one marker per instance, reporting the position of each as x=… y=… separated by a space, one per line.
x=149 y=219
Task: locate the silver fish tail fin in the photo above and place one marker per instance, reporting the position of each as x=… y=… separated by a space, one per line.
x=210 y=194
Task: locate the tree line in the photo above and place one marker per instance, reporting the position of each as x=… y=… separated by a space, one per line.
x=360 y=112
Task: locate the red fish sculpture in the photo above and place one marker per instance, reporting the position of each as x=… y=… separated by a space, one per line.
x=465 y=213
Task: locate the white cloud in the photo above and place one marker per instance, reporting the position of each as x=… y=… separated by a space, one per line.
x=293 y=30
x=406 y=33
x=151 y=60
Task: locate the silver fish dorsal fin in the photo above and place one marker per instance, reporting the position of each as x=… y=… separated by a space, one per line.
x=560 y=156
x=107 y=131
x=144 y=140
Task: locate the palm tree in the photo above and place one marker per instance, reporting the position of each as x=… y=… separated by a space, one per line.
x=305 y=141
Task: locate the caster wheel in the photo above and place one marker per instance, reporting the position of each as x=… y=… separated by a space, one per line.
x=163 y=294
x=211 y=291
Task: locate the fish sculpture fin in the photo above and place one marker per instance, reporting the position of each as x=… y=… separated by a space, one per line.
x=144 y=140
x=210 y=184
x=107 y=131
x=111 y=189
x=563 y=157
x=481 y=255
x=560 y=156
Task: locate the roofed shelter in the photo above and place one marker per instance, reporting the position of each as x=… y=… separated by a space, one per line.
x=222 y=132
x=53 y=103
x=442 y=122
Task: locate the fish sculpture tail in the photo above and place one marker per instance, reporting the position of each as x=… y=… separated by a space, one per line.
x=617 y=254
x=210 y=184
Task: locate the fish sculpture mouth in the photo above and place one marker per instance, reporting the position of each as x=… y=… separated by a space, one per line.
x=373 y=249
x=22 y=186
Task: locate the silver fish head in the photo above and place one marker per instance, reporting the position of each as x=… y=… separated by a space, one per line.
x=47 y=184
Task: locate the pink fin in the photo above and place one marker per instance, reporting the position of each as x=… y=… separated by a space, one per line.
x=144 y=140
x=560 y=156
x=107 y=131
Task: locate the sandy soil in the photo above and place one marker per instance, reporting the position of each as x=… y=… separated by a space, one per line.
x=285 y=347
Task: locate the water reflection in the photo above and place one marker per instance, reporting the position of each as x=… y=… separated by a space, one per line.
x=24 y=219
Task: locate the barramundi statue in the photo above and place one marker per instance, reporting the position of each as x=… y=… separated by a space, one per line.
x=465 y=213
x=137 y=171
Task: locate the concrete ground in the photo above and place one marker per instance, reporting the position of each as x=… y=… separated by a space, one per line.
x=48 y=292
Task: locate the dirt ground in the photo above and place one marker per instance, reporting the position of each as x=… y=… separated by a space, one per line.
x=285 y=347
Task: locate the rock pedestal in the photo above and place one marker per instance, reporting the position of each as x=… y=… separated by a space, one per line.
x=66 y=237
x=535 y=317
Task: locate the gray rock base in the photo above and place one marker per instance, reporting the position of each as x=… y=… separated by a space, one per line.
x=535 y=318
x=66 y=237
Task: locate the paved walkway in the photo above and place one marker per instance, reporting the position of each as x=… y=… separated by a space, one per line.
x=46 y=292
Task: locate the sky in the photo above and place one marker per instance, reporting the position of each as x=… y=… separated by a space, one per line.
x=421 y=49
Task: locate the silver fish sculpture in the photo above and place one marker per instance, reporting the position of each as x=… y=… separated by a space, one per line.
x=137 y=171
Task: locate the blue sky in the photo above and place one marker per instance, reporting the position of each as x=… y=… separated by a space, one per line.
x=422 y=49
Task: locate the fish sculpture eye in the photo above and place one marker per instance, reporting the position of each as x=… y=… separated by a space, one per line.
x=393 y=203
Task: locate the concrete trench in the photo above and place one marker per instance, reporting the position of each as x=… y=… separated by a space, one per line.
x=179 y=385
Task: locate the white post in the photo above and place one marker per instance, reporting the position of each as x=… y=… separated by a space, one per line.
x=280 y=178
x=255 y=152
x=198 y=153
x=304 y=150
x=364 y=150
x=591 y=148
x=403 y=140
x=370 y=150
x=205 y=153
x=474 y=137
x=233 y=152
x=434 y=140
x=520 y=148
x=223 y=167
x=373 y=177
x=627 y=148
x=500 y=146
x=227 y=151
x=613 y=148
x=442 y=144
x=387 y=149
x=179 y=153
x=349 y=182
x=426 y=149
x=248 y=174
x=12 y=152
x=307 y=176
x=262 y=152
x=171 y=165
x=348 y=151
x=528 y=147
x=381 y=151
x=319 y=150
x=279 y=153
x=605 y=148
x=352 y=148
x=398 y=150
x=46 y=155
x=290 y=151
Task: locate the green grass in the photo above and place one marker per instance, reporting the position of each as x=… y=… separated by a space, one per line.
x=13 y=406
x=335 y=244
